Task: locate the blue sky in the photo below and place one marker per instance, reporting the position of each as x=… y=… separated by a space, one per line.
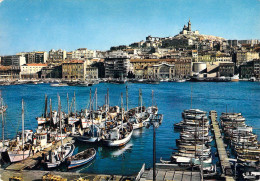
x=28 y=25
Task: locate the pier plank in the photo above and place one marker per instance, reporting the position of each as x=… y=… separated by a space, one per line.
x=169 y=175
x=223 y=157
x=177 y=175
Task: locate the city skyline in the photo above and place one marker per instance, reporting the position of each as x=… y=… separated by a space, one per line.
x=43 y=25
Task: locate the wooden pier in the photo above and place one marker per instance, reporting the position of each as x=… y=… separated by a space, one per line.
x=36 y=175
x=166 y=174
x=223 y=157
x=30 y=162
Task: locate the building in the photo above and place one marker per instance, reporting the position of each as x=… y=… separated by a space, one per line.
x=9 y=72
x=138 y=64
x=69 y=56
x=187 y=30
x=41 y=57
x=183 y=68
x=250 y=69
x=51 y=72
x=74 y=69
x=91 y=72
x=161 y=71
x=84 y=53
x=245 y=56
x=32 y=70
x=226 y=69
x=233 y=43
x=57 y=56
x=117 y=65
x=13 y=60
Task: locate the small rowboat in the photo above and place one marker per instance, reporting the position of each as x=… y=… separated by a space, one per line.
x=81 y=158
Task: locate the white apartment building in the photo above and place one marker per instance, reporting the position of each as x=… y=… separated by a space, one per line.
x=83 y=53
x=31 y=70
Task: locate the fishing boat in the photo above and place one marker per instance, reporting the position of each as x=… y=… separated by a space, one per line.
x=92 y=135
x=81 y=158
x=43 y=118
x=20 y=148
x=56 y=157
x=59 y=155
x=119 y=135
x=3 y=106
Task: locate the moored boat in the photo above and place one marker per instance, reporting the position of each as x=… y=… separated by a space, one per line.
x=81 y=158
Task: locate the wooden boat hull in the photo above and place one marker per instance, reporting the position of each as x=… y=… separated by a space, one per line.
x=78 y=163
x=16 y=156
x=118 y=143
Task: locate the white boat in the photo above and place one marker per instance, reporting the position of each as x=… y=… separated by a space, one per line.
x=81 y=158
x=19 y=153
x=58 y=156
x=92 y=135
x=180 y=80
x=43 y=119
x=59 y=85
x=235 y=78
x=116 y=139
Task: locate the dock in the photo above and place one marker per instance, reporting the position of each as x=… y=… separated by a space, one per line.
x=223 y=157
x=38 y=175
x=31 y=161
x=166 y=172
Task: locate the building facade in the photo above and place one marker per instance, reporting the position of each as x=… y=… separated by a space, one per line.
x=51 y=72
x=13 y=60
x=91 y=73
x=183 y=68
x=245 y=56
x=226 y=69
x=117 y=65
x=31 y=70
x=74 y=70
x=57 y=56
x=250 y=69
x=83 y=53
x=161 y=71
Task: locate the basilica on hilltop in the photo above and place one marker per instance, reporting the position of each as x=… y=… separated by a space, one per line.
x=186 y=30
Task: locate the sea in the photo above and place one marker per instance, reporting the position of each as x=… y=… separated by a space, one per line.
x=170 y=97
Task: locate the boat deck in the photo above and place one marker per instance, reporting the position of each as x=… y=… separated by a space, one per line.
x=30 y=162
x=223 y=157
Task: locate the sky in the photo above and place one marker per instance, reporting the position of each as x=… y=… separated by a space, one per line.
x=41 y=25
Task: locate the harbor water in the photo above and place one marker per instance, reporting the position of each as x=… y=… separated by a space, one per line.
x=172 y=98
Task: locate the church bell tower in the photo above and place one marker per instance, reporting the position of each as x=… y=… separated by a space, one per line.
x=189 y=25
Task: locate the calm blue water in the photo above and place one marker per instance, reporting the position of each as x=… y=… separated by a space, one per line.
x=171 y=98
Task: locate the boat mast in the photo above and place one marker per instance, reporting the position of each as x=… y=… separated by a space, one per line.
x=96 y=98
x=68 y=105
x=122 y=110
x=60 y=119
x=108 y=98
x=75 y=104
x=3 y=122
x=141 y=100
x=45 y=108
x=90 y=99
x=51 y=122
x=23 y=127
x=152 y=97
x=191 y=96
x=126 y=98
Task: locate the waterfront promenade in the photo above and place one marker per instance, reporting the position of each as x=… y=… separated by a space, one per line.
x=223 y=157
